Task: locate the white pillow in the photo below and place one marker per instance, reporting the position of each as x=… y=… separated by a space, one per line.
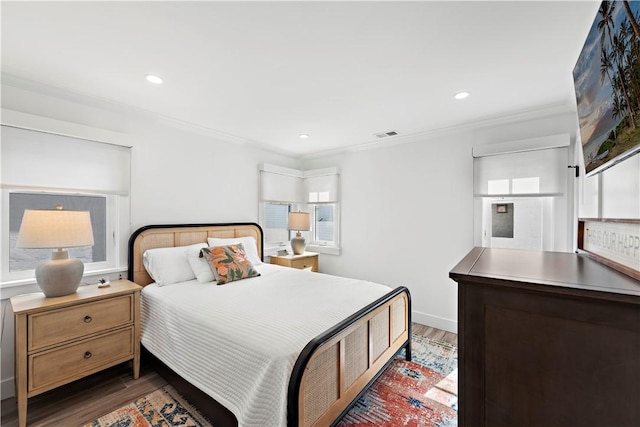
x=167 y=266
x=249 y=243
x=200 y=266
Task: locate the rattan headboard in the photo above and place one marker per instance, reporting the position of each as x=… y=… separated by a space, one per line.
x=171 y=235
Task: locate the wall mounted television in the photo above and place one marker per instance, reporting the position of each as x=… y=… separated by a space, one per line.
x=607 y=85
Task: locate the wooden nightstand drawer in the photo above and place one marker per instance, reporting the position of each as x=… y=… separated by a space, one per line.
x=306 y=261
x=310 y=263
x=51 y=368
x=57 y=326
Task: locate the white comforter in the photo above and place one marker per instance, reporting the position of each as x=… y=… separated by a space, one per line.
x=238 y=342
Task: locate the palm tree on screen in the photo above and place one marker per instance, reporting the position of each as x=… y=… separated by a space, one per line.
x=612 y=58
x=632 y=19
x=619 y=48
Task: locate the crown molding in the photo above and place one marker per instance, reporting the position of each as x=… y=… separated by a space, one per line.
x=117 y=107
x=68 y=94
x=542 y=112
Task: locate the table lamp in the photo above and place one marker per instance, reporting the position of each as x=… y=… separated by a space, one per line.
x=56 y=229
x=298 y=221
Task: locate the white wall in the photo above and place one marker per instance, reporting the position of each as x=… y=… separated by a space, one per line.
x=404 y=220
x=408 y=209
x=179 y=177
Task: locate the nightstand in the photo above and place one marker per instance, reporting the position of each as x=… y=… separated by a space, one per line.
x=306 y=261
x=62 y=339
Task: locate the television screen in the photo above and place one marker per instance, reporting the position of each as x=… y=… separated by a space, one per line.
x=607 y=85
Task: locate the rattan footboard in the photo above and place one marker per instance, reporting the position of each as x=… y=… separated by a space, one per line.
x=333 y=370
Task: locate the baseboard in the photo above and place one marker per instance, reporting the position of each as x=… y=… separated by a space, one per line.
x=435 y=321
x=7 y=389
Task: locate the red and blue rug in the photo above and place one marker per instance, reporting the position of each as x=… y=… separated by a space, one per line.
x=420 y=393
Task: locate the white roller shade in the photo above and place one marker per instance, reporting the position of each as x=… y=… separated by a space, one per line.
x=321 y=186
x=279 y=184
x=32 y=160
x=530 y=172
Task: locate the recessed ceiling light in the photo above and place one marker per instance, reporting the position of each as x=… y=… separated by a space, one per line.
x=461 y=95
x=304 y=136
x=153 y=79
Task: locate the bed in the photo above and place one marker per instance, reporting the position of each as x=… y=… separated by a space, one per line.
x=276 y=371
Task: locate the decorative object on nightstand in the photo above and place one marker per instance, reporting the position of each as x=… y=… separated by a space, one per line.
x=304 y=261
x=298 y=221
x=56 y=229
x=59 y=340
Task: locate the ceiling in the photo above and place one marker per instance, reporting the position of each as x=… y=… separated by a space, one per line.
x=341 y=72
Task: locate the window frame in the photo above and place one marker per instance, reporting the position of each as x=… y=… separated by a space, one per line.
x=274 y=243
x=322 y=246
x=313 y=216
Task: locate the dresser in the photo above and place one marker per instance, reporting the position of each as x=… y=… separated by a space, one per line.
x=62 y=339
x=546 y=339
x=305 y=261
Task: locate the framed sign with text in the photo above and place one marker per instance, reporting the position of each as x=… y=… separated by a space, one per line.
x=614 y=242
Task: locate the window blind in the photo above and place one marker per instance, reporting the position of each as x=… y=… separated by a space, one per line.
x=321 y=185
x=279 y=184
x=276 y=216
x=36 y=160
x=530 y=172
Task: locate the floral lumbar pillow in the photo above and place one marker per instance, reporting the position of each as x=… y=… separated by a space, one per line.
x=229 y=263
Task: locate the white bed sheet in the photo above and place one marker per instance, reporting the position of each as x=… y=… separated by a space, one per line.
x=238 y=342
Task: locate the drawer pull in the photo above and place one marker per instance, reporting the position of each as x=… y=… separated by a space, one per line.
x=87 y=319
x=87 y=354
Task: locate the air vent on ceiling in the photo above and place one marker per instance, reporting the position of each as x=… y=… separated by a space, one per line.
x=386 y=134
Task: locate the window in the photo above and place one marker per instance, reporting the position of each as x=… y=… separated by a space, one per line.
x=284 y=190
x=280 y=193
x=530 y=176
x=498 y=186
x=324 y=227
x=321 y=189
x=42 y=170
x=276 y=216
x=529 y=185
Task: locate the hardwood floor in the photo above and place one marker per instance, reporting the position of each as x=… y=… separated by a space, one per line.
x=84 y=400
x=434 y=333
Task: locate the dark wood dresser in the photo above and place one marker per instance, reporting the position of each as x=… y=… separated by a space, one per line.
x=546 y=339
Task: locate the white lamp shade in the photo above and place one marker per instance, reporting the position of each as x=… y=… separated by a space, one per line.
x=299 y=221
x=55 y=229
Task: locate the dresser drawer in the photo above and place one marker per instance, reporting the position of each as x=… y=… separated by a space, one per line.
x=58 y=366
x=305 y=264
x=58 y=326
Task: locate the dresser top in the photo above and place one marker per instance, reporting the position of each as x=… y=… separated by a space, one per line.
x=566 y=270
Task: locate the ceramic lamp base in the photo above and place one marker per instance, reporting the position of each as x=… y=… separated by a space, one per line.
x=59 y=276
x=298 y=244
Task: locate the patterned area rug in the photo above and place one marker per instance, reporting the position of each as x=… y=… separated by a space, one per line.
x=162 y=408
x=420 y=393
